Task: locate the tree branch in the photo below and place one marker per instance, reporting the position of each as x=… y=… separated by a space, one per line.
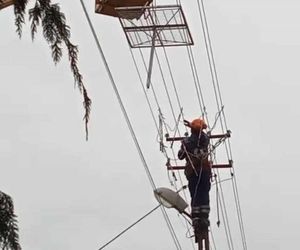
x=56 y=33
x=9 y=237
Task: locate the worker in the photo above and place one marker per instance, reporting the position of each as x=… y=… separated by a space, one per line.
x=194 y=149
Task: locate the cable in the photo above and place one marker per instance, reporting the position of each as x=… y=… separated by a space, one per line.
x=144 y=90
x=213 y=75
x=238 y=207
x=156 y=99
x=213 y=239
x=146 y=96
x=225 y=214
x=218 y=93
x=195 y=71
x=195 y=77
x=166 y=89
x=128 y=122
x=119 y=97
x=129 y=227
x=170 y=102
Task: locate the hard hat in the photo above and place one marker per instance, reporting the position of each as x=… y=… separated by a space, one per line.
x=197 y=124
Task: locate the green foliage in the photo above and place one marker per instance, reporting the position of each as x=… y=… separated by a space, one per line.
x=57 y=33
x=19 y=9
x=9 y=238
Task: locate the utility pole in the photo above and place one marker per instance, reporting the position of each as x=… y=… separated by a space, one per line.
x=202 y=239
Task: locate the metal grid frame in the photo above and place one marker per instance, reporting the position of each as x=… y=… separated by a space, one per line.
x=158 y=26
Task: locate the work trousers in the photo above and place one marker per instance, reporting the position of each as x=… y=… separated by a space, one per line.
x=199 y=187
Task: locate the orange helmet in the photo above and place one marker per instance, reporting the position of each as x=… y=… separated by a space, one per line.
x=197 y=124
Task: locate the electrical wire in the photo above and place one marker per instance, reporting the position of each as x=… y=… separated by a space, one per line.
x=129 y=227
x=144 y=90
x=155 y=96
x=203 y=111
x=198 y=87
x=147 y=170
x=119 y=97
x=219 y=103
x=216 y=84
x=166 y=89
x=213 y=239
x=167 y=93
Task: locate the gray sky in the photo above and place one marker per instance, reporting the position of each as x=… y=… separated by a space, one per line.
x=73 y=194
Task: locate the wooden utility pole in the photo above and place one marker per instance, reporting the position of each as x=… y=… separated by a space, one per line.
x=6 y=3
x=201 y=235
x=202 y=240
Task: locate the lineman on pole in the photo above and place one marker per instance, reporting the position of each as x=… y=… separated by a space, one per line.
x=194 y=150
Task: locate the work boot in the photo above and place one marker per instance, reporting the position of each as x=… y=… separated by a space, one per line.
x=200 y=219
x=200 y=224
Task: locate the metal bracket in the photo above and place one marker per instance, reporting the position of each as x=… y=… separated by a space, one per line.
x=216 y=136
x=229 y=165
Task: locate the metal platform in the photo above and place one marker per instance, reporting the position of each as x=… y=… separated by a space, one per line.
x=156 y=26
x=107 y=7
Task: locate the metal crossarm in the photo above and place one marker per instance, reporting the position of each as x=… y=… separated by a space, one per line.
x=226 y=165
x=216 y=136
x=158 y=26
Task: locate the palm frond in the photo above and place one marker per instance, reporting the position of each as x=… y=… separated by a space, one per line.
x=56 y=32
x=35 y=15
x=87 y=106
x=19 y=9
x=63 y=32
x=56 y=51
x=9 y=237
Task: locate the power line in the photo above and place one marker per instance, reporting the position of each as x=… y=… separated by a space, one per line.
x=215 y=81
x=129 y=227
x=167 y=93
x=155 y=96
x=160 y=107
x=175 y=239
x=119 y=97
x=202 y=107
x=223 y=205
x=144 y=90
x=197 y=87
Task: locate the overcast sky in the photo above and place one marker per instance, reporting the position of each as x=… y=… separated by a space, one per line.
x=73 y=194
